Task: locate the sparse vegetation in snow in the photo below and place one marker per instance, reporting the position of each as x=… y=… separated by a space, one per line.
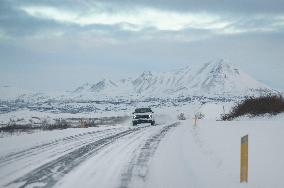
x=256 y=106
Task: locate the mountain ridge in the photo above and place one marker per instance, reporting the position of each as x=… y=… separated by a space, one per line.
x=216 y=77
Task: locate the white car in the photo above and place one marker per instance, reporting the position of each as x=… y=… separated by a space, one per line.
x=143 y=115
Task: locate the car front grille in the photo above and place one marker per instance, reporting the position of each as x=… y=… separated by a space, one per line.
x=142 y=117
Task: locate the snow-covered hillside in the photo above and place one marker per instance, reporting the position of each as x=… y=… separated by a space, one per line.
x=213 y=78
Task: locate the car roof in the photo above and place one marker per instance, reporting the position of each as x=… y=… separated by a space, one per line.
x=143 y=108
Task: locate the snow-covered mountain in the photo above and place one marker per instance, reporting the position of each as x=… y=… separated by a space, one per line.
x=213 y=78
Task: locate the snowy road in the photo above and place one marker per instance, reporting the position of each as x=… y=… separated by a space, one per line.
x=113 y=157
x=169 y=155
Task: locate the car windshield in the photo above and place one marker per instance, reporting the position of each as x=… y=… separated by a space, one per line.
x=143 y=110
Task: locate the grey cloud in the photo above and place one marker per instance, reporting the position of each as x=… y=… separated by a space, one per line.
x=15 y=22
x=228 y=6
x=225 y=6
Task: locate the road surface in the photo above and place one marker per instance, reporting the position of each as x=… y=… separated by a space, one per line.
x=113 y=157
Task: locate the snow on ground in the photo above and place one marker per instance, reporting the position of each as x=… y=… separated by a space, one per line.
x=117 y=165
x=28 y=152
x=17 y=142
x=172 y=154
x=208 y=155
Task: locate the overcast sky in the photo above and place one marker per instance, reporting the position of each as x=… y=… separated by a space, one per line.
x=60 y=44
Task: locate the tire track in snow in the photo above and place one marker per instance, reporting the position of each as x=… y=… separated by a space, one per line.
x=48 y=174
x=138 y=167
x=38 y=149
x=16 y=166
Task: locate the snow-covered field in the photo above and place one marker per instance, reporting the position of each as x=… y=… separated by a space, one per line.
x=172 y=154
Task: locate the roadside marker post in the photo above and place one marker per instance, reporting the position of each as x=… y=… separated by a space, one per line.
x=82 y=123
x=244 y=159
x=195 y=120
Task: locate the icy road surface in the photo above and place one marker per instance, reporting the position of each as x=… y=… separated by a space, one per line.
x=113 y=157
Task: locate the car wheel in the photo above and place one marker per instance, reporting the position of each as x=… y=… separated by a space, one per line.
x=153 y=123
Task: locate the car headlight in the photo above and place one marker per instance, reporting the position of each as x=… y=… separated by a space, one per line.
x=150 y=115
x=134 y=116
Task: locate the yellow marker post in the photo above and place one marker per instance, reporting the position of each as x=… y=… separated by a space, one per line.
x=244 y=159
